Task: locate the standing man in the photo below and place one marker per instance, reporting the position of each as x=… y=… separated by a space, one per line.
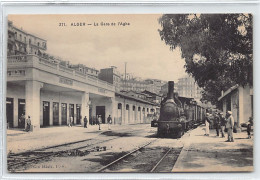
x=207 y=121
x=222 y=124
x=230 y=126
x=22 y=121
x=70 y=121
x=109 y=121
x=85 y=122
x=28 y=124
x=217 y=123
x=99 y=122
x=249 y=125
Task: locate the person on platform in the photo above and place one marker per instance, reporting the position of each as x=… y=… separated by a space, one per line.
x=22 y=121
x=109 y=121
x=85 y=122
x=28 y=124
x=230 y=126
x=249 y=126
x=70 y=121
x=217 y=123
x=99 y=122
x=207 y=122
x=222 y=124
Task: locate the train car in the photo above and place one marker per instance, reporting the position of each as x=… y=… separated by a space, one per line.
x=172 y=121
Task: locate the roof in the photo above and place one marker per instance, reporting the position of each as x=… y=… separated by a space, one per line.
x=151 y=93
x=135 y=98
x=228 y=92
x=21 y=30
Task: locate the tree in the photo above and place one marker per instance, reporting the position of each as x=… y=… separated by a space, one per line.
x=217 y=48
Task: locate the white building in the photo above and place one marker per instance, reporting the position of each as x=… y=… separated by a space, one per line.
x=187 y=87
x=238 y=100
x=52 y=93
x=51 y=90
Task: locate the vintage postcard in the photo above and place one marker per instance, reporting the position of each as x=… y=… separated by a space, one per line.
x=129 y=93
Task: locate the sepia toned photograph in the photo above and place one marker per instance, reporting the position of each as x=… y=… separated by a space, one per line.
x=133 y=93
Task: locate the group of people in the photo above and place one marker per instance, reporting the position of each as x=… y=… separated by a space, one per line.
x=99 y=122
x=224 y=124
x=28 y=122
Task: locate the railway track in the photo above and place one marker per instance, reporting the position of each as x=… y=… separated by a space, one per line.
x=34 y=156
x=158 y=164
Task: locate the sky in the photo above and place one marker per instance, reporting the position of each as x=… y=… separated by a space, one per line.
x=139 y=44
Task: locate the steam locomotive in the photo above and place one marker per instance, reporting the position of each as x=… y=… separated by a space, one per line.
x=178 y=114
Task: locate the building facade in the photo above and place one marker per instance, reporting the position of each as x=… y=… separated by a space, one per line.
x=134 y=85
x=238 y=100
x=139 y=85
x=84 y=69
x=20 y=42
x=155 y=85
x=52 y=91
x=111 y=75
x=187 y=87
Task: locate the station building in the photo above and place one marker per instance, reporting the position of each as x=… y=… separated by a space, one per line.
x=51 y=92
x=238 y=100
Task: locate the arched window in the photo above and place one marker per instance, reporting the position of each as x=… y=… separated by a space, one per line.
x=139 y=108
x=119 y=106
x=127 y=107
x=133 y=108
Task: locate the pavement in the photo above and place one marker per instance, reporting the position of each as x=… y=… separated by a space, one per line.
x=212 y=154
x=20 y=141
x=199 y=154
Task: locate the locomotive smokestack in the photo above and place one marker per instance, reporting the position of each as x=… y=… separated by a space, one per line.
x=170 y=89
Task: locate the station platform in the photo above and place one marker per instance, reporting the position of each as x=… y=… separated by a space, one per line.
x=212 y=154
x=20 y=141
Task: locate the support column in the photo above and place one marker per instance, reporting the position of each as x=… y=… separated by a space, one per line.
x=123 y=112
x=113 y=110
x=130 y=113
x=142 y=116
x=51 y=113
x=84 y=107
x=32 y=99
x=60 y=108
x=136 y=114
x=240 y=106
x=68 y=112
x=15 y=107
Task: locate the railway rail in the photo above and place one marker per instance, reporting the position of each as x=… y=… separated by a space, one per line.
x=154 y=167
x=30 y=157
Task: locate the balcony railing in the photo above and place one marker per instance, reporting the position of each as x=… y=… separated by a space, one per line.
x=36 y=45
x=65 y=69
x=80 y=74
x=33 y=60
x=48 y=63
x=17 y=59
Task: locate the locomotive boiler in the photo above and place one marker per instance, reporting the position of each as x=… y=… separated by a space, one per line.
x=172 y=121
